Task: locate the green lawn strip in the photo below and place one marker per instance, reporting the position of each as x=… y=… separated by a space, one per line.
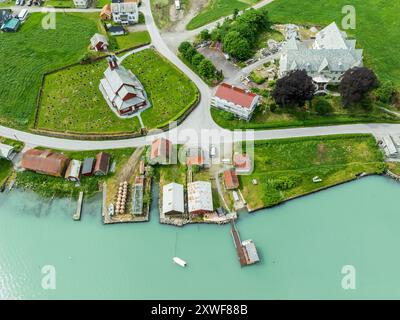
x=5 y=170
x=60 y=3
x=170 y=92
x=217 y=9
x=87 y=112
x=26 y=55
x=48 y=186
x=377 y=34
x=7 y=4
x=394 y=167
x=101 y=3
x=264 y=118
x=18 y=145
x=335 y=159
x=133 y=40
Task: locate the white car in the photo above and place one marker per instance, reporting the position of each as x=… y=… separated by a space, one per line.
x=213 y=151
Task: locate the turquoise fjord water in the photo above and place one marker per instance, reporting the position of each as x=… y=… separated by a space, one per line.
x=303 y=245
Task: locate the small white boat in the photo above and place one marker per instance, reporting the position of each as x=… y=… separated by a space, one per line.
x=111 y=210
x=316 y=179
x=179 y=261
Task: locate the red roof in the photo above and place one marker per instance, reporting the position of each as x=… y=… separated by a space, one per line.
x=241 y=161
x=45 y=161
x=236 y=95
x=160 y=147
x=231 y=179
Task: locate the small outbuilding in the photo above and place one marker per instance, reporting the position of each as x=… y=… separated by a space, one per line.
x=6 y=151
x=242 y=163
x=116 y=30
x=231 y=180
x=102 y=164
x=161 y=151
x=173 y=199
x=88 y=166
x=73 y=172
x=99 y=42
x=105 y=13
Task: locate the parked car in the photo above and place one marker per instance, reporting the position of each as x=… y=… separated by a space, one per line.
x=213 y=151
x=29 y=3
x=21 y=2
x=17 y=2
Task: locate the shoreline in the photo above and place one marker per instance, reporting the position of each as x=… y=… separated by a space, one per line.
x=184 y=222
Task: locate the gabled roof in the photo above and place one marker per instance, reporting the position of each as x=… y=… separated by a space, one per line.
x=44 y=161
x=200 y=196
x=235 y=95
x=173 y=199
x=98 y=38
x=160 y=147
x=119 y=77
x=331 y=38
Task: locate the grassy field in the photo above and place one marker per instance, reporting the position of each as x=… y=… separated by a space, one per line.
x=5 y=170
x=48 y=186
x=285 y=168
x=60 y=3
x=72 y=102
x=377 y=30
x=101 y=3
x=216 y=9
x=26 y=55
x=133 y=39
x=263 y=118
x=7 y=3
x=169 y=91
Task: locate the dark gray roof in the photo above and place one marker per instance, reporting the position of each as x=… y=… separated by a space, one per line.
x=88 y=165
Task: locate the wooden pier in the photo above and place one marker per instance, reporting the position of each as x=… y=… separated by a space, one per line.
x=238 y=244
x=77 y=215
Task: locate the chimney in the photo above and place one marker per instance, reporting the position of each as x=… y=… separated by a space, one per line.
x=112 y=62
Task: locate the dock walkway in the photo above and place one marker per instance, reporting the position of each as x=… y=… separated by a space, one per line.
x=238 y=244
x=77 y=215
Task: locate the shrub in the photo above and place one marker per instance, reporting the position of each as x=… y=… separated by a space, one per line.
x=286 y=182
x=322 y=106
x=385 y=92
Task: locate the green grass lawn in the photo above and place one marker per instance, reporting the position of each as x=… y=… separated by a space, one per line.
x=6 y=4
x=60 y=3
x=291 y=118
x=285 y=168
x=216 y=9
x=169 y=91
x=133 y=40
x=72 y=102
x=101 y=3
x=26 y=55
x=48 y=186
x=377 y=30
x=5 y=170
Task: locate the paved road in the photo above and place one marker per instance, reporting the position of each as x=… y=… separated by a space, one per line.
x=199 y=124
